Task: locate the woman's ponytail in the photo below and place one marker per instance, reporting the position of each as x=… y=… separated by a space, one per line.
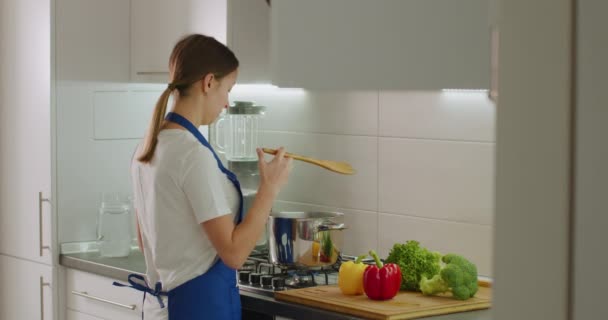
x=156 y=122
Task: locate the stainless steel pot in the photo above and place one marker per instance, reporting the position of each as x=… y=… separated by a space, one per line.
x=305 y=239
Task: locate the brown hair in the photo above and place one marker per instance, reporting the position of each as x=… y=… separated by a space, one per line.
x=193 y=57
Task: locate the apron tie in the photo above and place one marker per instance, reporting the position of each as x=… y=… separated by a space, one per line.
x=157 y=292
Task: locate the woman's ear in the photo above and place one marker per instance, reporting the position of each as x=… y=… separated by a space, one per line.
x=208 y=82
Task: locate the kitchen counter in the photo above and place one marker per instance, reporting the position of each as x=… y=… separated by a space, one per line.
x=120 y=268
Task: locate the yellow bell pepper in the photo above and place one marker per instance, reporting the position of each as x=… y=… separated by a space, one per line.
x=316 y=247
x=350 y=277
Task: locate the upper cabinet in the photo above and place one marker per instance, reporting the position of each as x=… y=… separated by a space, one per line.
x=26 y=230
x=382 y=44
x=91 y=40
x=249 y=38
x=156 y=25
x=319 y=44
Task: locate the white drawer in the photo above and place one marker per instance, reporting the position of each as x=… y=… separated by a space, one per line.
x=75 y=315
x=95 y=295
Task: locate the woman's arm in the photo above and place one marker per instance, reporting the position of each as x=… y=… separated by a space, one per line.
x=235 y=243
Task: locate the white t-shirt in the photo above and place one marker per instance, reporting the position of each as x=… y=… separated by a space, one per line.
x=179 y=189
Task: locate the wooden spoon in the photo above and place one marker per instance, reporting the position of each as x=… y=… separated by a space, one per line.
x=339 y=167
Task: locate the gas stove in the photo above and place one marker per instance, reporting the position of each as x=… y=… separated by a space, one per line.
x=260 y=276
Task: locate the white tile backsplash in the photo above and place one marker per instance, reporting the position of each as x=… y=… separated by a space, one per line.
x=86 y=167
x=108 y=115
x=432 y=115
x=448 y=180
x=294 y=110
x=123 y=114
x=474 y=242
x=312 y=184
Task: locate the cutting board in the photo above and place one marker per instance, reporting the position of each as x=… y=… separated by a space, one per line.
x=406 y=305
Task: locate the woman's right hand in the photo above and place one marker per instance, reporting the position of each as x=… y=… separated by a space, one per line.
x=234 y=243
x=274 y=174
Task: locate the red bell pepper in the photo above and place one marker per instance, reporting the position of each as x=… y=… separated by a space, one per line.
x=381 y=281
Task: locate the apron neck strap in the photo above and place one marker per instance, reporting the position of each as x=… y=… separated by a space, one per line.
x=182 y=121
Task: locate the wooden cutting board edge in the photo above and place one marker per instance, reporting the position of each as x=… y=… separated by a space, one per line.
x=336 y=308
x=311 y=297
x=432 y=311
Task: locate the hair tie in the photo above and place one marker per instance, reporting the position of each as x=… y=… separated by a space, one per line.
x=171 y=86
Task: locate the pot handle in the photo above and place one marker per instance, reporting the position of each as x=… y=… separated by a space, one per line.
x=330 y=225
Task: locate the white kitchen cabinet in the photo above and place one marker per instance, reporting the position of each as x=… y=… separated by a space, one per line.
x=534 y=173
x=27 y=240
x=75 y=315
x=92 y=41
x=156 y=25
x=26 y=291
x=25 y=130
x=95 y=295
x=382 y=44
x=248 y=37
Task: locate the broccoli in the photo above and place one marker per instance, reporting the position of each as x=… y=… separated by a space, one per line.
x=414 y=262
x=459 y=275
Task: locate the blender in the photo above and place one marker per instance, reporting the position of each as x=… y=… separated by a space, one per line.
x=234 y=135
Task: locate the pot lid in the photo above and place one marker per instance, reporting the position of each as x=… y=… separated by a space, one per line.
x=306 y=214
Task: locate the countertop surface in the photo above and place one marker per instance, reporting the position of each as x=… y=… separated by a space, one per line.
x=120 y=268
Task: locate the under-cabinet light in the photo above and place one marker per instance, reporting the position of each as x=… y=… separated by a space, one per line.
x=259 y=86
x=464 y=91
x=265 y=88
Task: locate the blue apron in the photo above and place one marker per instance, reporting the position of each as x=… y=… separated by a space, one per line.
x=212 y=295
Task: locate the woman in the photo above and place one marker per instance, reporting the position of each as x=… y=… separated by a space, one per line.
x=188 y=206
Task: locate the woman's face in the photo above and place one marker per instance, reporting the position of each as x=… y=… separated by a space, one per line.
x=217 y=96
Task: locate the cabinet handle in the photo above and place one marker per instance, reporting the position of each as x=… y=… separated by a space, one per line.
x=88 y=296
x=146 y=73
x=40 y=201
x=42 y=285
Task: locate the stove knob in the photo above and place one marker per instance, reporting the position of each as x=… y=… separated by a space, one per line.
x=244 y=276
x=254 y=279
x=266 y=281
x=278 y=284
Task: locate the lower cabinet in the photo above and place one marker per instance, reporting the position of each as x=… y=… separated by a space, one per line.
x=26 y=291
x=93 y=297
x=89 y=295
x=75 y=315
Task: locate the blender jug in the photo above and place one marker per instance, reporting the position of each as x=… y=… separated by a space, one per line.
x=235 y=133
x=114 y=225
